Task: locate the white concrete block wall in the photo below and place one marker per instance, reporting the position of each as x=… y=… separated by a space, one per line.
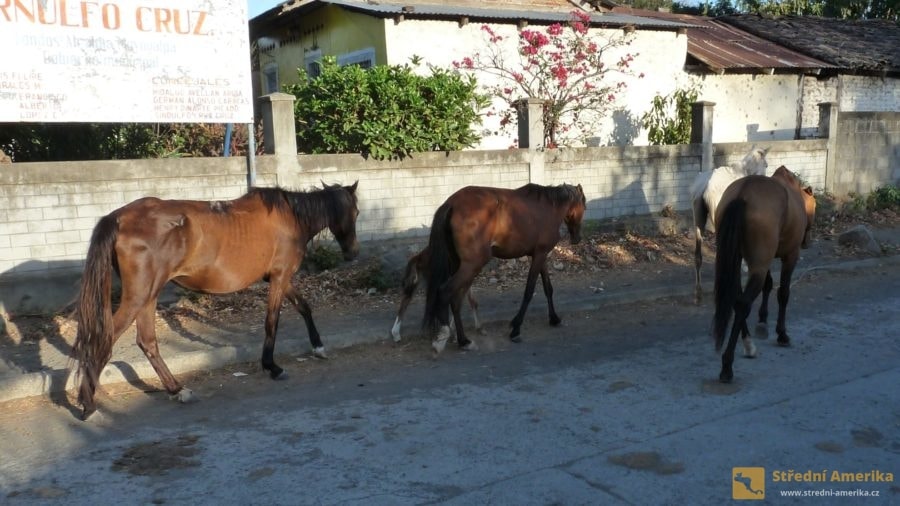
x=48 y=211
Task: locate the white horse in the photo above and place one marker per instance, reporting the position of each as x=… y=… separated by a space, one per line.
x=706 y=191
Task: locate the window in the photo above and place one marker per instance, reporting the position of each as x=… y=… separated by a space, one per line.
x=270 y=74
x=365 y=58
x=312 y=63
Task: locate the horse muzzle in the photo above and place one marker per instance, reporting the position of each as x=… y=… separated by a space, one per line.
x=351 y=252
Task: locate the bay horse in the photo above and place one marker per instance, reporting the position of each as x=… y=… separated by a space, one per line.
x=760 y=218
x=417 y=267
x=214 y=247
x=707 y=190
x=477 y=223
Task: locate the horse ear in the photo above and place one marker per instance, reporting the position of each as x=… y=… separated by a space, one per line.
x=765 y=151
x=353 y=186
x=808 y=190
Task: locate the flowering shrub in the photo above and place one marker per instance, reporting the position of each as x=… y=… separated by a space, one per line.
x=561 y=64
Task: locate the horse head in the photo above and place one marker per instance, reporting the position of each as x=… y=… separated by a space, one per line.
x=754 y=163
x=575 y=213
x=342 y=222
x=806 y=193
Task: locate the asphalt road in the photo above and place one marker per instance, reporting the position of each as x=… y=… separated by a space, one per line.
x=619 y=406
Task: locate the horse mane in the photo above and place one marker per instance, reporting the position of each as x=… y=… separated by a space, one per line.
x=560 y=195
x=315 y=208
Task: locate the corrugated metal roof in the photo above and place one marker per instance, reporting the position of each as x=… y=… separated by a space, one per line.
x=474 y=10
x=725 y=48
x=858 y=45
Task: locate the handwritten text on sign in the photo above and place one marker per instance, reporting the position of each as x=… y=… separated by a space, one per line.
x=125 y=61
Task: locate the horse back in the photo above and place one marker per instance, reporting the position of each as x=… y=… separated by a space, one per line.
x=775 y=219
x=217 y=247
x=507 y=221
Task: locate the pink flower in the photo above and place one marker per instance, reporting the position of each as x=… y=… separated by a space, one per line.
x=555 y=29
x=468 y=63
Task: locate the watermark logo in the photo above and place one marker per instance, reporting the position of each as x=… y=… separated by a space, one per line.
x=748 y=483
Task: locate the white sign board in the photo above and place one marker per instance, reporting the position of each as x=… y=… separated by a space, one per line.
x=129 y=61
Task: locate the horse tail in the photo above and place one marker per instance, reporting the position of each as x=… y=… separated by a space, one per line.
x=94 y=341
x=442 y=251
x=729 y=237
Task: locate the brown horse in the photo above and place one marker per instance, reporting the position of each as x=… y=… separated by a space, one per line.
x=418 y=266
x=476 y=223
x=759 y=219
x=214 y=247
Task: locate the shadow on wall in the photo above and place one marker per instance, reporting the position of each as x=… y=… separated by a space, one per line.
x=754 y=134
x=626 y=128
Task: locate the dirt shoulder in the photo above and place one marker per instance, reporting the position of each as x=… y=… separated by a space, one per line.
x=623 y=252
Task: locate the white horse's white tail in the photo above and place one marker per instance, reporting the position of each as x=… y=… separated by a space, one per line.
x=707 y=190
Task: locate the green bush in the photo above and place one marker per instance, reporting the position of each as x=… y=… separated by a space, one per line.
x=324 y=257
x=885 y=197
x=385 y=111
x=669 y=119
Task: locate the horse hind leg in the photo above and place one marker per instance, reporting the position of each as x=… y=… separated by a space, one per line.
x=700 y=217
x=410 y=283
x=473 y=304
x=87 y=394
x=147 y=342
x=741 y=311
x=784 y=294
x=762 y=327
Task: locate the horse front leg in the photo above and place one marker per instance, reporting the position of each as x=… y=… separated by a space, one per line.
x=537 y=264
x=315 y=340
x=784 y=293
x=147 y=342
x=548 y=292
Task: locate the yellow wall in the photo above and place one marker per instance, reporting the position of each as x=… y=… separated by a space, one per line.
x=333 y=30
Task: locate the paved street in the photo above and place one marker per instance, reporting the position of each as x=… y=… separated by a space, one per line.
x=619 y=406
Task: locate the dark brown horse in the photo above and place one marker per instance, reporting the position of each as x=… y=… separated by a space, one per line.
x=213 y=247
x=476 y=223
x=417 y=267
x=759 y=219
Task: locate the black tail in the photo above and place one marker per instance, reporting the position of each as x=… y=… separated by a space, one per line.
x=93 y=343
x=729 y=236
x=439 y=264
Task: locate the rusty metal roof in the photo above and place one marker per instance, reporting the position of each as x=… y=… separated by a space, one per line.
x=546 y=11
x=721 y=47
x=867 y=46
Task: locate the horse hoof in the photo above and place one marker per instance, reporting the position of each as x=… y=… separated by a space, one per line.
x=87 y=413
x=555 y=321
x=319 y=352
x=725 y=378
x=784 y=342
x=516 y=338
x=762 y=331
x=184 y=396
x=395 y=331
x=470 y=346
x=281 y=376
